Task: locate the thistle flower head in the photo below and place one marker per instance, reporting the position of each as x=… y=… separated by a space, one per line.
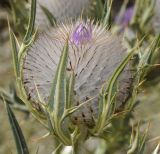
x=60 y=9
x=94 y=54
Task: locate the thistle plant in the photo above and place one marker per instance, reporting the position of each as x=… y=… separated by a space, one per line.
x=77 y=77
x=67 y=87
x=19 y=13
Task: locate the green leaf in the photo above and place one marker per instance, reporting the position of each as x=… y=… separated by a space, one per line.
x=107 y=102
x=134 y=143
x=12 y=99
x=70 y=91
x=106 y=20
x=138 y=141
x=14 y=52
x=56 y=100
x=149 y=12
x=155 y=45
x=156 y=151
x=30 y=29
x=117 y=73
x=147 y=56
x=49 y=16
x=19 y=15
x=99 y=9
x=58 y=149
x=17 y=132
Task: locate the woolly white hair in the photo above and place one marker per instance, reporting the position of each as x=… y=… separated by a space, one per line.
x=93 y=63
x=61 y=9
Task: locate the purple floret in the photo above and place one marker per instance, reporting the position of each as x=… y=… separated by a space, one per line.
x=82 y=34
x=125 y=19
x=128 y=15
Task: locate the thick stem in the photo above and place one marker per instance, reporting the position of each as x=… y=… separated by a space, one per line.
x=79 y=147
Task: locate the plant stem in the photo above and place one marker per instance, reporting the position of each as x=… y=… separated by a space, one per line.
x=78 y=147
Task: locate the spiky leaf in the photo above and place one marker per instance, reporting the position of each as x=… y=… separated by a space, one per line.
x=17 y=132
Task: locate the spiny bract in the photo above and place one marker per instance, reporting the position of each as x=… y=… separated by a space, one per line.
x=94 y=54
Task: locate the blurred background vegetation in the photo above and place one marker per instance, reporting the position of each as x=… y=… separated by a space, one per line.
x=146 y=112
